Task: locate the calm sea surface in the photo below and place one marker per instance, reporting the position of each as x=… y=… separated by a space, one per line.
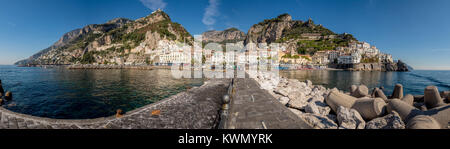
x=414 y=82
x=80 y=94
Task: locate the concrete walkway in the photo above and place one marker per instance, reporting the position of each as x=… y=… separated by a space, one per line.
x=254 y=108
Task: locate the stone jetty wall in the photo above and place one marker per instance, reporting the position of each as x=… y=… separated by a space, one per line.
x=197 y=108
x=324 y=108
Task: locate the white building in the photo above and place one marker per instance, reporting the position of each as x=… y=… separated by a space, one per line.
x=175 y=58
x=354 y=58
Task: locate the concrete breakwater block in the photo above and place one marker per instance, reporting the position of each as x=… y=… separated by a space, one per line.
x=369 y=108
x=423 y=122
x=441 y=115
x=416 y=119
x=398 y=92
x=418 y=98
x=405 y=110
x=336 y=99
x=446 y=96
x=361 y=91
x=353 y=89
x=432 y=97
x=409 y=99
x=378 y=93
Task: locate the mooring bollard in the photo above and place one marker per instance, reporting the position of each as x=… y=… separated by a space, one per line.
x=8 y=96
x=2 y=91
x=119 y=113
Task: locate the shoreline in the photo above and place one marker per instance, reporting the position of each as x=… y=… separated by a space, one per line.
x=324 y=108
x=150 y=67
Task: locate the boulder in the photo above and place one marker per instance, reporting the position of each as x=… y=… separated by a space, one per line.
x=312 y=108
x=318 y=121
x=296 y=112
x=423 y=122
x=370 y=108
x=432 y=98
x=403 y=109
x=398 y=92
x=309 y=83
x=297 y=102
x=390 y=121
x=282 y=91
x=284 y=100
x=409 y=99
x=361 y=91
x=349 y=119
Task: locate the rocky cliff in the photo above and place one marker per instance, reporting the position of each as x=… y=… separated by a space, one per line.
x=231 y=35
x=299 y=36
x=116 y=42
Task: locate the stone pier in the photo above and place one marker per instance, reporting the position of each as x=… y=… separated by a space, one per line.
x=198 y=108
x=254 y=108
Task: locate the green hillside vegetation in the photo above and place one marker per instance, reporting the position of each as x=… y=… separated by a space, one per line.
x=312 y=46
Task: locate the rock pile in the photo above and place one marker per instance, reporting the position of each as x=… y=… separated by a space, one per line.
x=324 y=108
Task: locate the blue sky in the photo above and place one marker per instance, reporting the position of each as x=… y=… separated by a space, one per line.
x=415 y=31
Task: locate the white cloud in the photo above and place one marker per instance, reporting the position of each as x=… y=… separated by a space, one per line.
x=154 y=4
x=210 y=12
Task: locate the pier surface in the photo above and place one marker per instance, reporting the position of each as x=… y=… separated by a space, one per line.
x=254 y=108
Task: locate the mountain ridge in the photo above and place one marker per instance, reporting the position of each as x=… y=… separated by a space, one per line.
x=118 y=38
